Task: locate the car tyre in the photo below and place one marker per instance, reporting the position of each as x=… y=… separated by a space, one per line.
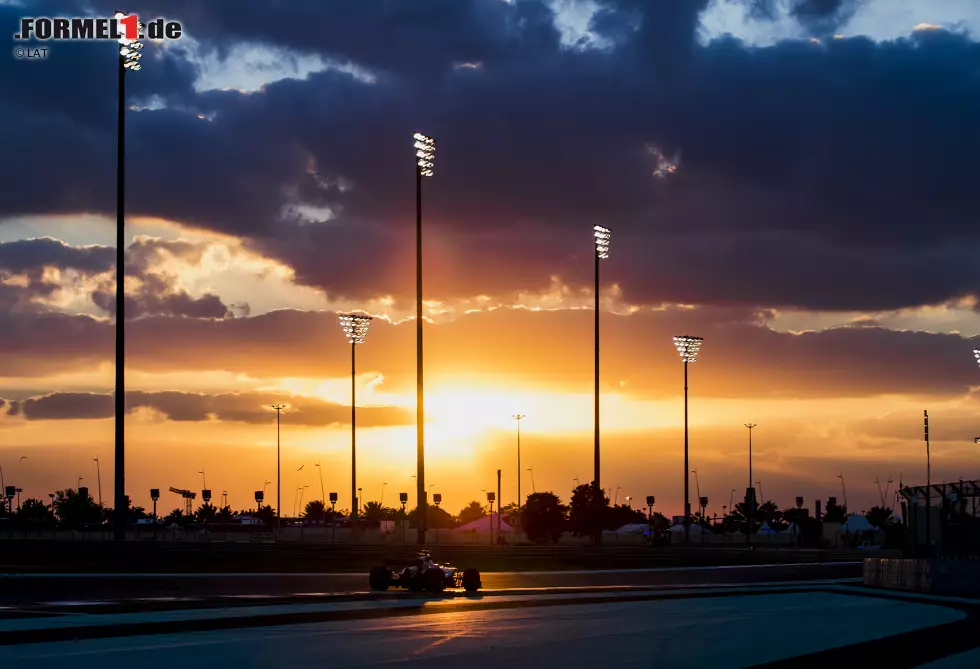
x=379 y=579
x=434 y=580
x=471 y=580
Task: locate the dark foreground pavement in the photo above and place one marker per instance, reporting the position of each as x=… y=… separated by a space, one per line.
x=21 y=588
x=763 y=625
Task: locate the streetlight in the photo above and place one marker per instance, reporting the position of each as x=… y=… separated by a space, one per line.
x=355 y=328
x=688 y=347
x=750 y=491
x=425 y=155
x=129 y=57
x=384 y=484
x=842 y=488
x=299 y=507
x=762 y=495
x=603 y=237
x=520 y=501
x=320 y=472
x=278 y=408
x=533 y=489
x=98 y=473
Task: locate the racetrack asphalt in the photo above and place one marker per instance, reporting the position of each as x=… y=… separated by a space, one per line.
x=745 y=626
x=32 y=588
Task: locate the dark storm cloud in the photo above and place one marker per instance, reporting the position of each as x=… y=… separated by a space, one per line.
x=155 y=295
x=416 y=38
x=193 y=407
x=823 y=17
x=849 y=154
x=40 y=344
x=23 y=266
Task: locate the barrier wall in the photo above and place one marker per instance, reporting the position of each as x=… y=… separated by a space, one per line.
x=942 y=577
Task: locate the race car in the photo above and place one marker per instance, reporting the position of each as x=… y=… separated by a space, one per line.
x=421 y=573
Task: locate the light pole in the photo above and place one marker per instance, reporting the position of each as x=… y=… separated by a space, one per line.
x=129 y=57
x=355 y=328
x=925 y=421
x=323 y=497
x=299 y=507
x=883 y=495
x=749 y=492
x=533 y=489
x=384 y=484
x=688 y=347
x=278 y=408
x=762 y=495
x=842 y=488
x=98 y=473
x=520 y=501
x=425 y=155
x=603 y=237
x=204 y=479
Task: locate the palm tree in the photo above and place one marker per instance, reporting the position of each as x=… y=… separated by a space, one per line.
x=315 y=510
x=373 y=513
x=879 y=516
x=175 y=517
x=206 y=513
x=224 y=515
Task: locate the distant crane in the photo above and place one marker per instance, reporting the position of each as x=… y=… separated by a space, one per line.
x=188 y=496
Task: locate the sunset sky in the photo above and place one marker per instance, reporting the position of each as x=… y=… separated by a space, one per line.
x=821 y=233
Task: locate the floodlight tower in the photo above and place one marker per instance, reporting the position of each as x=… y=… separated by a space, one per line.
x=520 y=500
x=129 y=57
x=356 y=328
x=425 y=155
x=688 y=347
x=603 y=237
x=278 y=408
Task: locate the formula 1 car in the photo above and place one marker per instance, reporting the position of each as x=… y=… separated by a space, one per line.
x=421 y=573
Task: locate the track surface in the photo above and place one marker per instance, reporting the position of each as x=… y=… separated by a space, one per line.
x=24 y=588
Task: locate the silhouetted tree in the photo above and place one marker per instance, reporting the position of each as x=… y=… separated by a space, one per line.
x=588 y=510
x=264 y=513
x=177 y=517
x=473 y=511
x=436 y=517
x=136 y=513
x=543 y=517
x=315 y=510
x=74 y=510
x=373 y=513
x=880 y=516
x=660 y=522
x=835 y=513
x=620 y=514
x=34 y=514
x=206 y=513
x=768 y=512
x=224 y=515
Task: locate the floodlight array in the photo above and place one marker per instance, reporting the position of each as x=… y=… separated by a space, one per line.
x=688 y=347
x=602 y=238
x=425 y=153
x=129 y=49
x=355 y=327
